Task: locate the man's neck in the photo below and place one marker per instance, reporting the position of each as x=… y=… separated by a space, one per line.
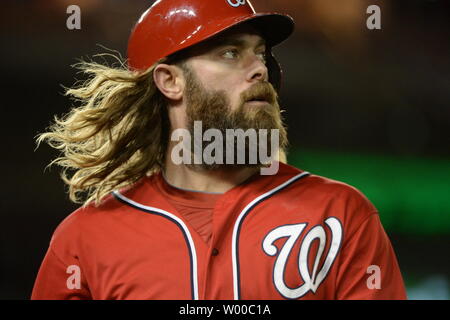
x=197 y=179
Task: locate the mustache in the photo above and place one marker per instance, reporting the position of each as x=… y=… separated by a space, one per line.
x=263 y=91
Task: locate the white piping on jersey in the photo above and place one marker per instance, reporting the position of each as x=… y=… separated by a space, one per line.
x=238 y=223
x=185 y=228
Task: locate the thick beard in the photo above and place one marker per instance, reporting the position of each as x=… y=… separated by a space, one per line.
x=213 y=109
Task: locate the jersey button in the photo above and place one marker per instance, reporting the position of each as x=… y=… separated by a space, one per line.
x=215 y=252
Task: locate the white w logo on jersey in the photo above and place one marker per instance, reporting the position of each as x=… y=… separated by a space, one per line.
x=293 y=232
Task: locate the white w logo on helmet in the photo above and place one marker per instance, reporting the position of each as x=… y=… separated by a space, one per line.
x=236 y=3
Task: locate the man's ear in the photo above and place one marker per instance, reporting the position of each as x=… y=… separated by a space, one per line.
x=170 y=81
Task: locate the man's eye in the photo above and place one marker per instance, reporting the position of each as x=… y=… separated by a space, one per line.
x=263 y=56
x=230 y=54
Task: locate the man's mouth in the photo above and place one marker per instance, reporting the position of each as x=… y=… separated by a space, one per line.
x=259 y=94
x=258 y=100
x=257 y=103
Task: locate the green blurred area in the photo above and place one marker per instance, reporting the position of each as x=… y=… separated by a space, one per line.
x=412 y=194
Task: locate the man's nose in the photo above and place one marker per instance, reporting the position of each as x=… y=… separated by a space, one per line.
x=257 y=70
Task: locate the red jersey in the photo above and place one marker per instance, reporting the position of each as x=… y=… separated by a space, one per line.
x=293 y=235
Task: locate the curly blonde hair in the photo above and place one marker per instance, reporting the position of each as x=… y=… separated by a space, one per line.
x=117 y=135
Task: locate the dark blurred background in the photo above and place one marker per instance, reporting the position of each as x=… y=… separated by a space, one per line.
x=367 y=107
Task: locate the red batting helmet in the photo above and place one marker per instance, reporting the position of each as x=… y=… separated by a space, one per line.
x=169 y=26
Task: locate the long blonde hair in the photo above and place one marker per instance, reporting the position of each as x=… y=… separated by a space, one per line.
x=117 y=134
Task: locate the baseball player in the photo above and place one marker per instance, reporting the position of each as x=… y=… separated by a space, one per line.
x=152 y=228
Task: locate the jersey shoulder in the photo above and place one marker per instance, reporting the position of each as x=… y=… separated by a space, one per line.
x=88 y=222
x=337 y=195
x=73 y=227
x=325 y=184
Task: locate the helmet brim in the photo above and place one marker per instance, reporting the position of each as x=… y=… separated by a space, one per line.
x=274 y=27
